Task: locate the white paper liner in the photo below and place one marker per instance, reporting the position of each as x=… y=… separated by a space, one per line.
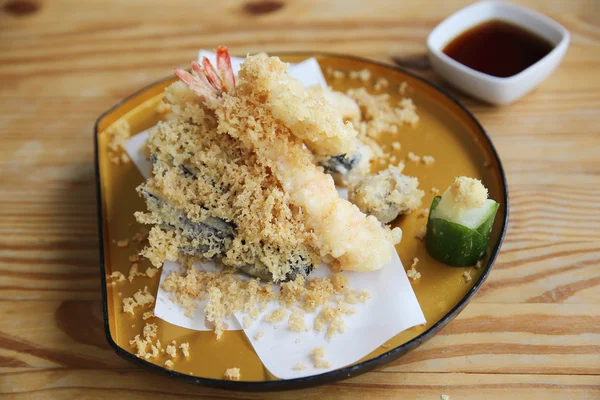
x=392 y=308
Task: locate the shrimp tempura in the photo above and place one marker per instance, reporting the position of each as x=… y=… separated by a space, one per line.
x=308 y=115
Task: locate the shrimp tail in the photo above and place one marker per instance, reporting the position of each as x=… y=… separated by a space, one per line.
x=209 y=83
x=212 y=75
x=224 y=66
x=201 y=88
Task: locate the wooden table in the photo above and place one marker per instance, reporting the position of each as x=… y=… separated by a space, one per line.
x=532 y=332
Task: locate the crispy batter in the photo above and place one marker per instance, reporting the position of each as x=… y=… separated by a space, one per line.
x=299 y=366
x=185 y=349
x=117 y=276
x=381 y=84
x=317 y=355
x=467 y=276
x=277 y=315
x=232 y=374
x=140 y=298
x=468 y=192
x=296 y=321
x=379 y=115
x=172 y=351
x=306 y=113
x=259 y=334
x=428 y=160
x=421 y=233
x=412 y=272
x=226 y=294
x=117 y=134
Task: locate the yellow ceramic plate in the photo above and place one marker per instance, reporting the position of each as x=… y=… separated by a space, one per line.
x=446 y=131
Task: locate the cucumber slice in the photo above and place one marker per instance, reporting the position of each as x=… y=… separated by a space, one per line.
x=455 y=244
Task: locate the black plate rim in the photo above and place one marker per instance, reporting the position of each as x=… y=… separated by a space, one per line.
x=330 y=376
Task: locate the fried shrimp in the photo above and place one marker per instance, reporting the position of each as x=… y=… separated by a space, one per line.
x=308 y=115
x=346 y=106
x=357 y=241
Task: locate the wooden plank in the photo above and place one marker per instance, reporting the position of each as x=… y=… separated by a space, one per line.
x=485 y=338
x=75 y=384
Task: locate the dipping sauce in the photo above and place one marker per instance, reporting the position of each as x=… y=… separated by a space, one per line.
x=498 y=48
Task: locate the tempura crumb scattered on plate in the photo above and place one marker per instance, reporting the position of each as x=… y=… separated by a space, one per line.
x=467 y=276
x=299 y=366
x=232 y=374
x=317 y=356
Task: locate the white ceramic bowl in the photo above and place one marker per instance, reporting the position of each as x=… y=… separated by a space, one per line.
x=483 y=86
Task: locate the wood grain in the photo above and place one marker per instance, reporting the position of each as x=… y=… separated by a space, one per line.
x=533 y=331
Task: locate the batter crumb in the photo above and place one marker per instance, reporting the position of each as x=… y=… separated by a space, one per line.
x=336 y=74
x=172 y=351
x=412 y=273
x=169 y=364
x=150 y=272
x=232 y=374
x=133 y=272
x=363 y=75
x=118 y=276
x=364 y=296
x=380 y=84
x=467 y=276
x=276 y=316
x=259 y=334
x=123 y=243
x=148 y=315
x=413 y=157
x=296 y=321
x=299 y=366
x=185 y=349
x=247 y=321
x=140 y=298
x=428 y=160
x=421 y=233
x=468 y=192
x=402 y=88
x=117 y=135
x=150 y=331
x=317 y=356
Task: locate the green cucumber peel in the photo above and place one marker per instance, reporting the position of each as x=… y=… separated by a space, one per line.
x=455 y=244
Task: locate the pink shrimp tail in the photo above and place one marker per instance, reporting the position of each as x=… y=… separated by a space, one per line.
x=207 y=82
x=224 y=66
x=211 y=74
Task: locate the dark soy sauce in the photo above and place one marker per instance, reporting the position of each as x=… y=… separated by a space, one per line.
x=498 y=48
